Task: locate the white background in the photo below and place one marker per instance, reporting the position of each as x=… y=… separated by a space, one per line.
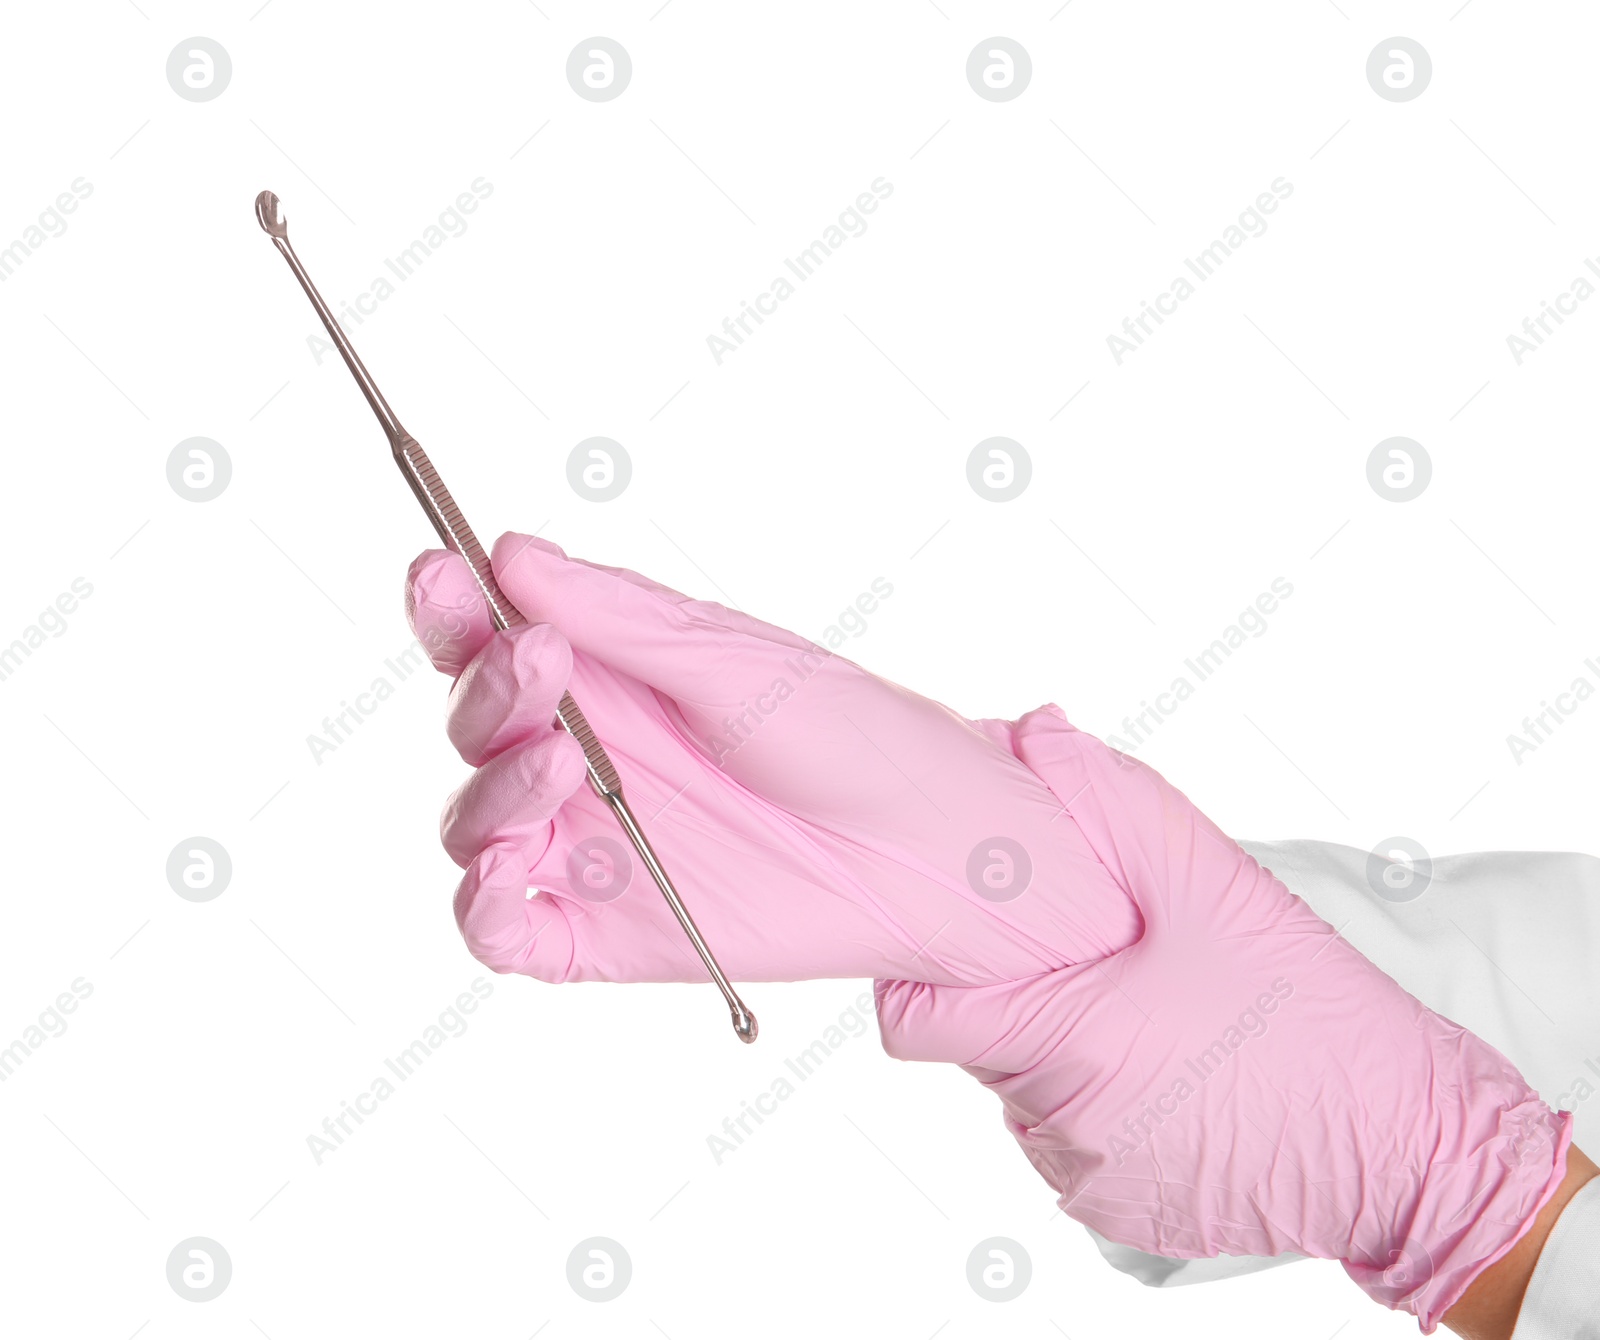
x=829 y=451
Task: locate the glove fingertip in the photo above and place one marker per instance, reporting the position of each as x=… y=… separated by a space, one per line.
x=568 y=766
x=446 y=610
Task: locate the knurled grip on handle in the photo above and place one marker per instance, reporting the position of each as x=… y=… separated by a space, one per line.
x=602 y=773
x=452 y=527
x=457 y=535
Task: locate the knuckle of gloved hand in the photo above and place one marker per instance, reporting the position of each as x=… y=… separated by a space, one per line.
x=509 y=690
x=529 y=782
x=552 y=770
x=483 y=715
x=511 y=799
x=501 y=925
x=502 y=941
x=493 y=956
x=454 y=823
x=893 y=1002
x=541 y=658
x=465 y=819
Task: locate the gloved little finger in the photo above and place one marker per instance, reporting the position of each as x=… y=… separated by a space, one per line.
x=446 y=610
x=994 y=1028
x=513 y=798
x=921 y=1022
x=506 y=930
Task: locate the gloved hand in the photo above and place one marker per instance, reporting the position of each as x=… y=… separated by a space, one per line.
x=819 y=821
x=1485 y=919
x=1241 y=1080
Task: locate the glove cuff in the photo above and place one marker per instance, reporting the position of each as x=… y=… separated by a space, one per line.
x=1472 y=1212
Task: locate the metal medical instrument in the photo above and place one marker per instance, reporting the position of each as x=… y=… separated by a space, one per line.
x=457 y=535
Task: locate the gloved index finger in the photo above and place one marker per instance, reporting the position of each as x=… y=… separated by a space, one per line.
x=697 y=651
x=446 y=610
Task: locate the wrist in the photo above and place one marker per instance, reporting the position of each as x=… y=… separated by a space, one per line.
x=1488 y=1309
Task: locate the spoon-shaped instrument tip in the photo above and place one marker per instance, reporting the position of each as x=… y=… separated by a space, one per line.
x=269 y=214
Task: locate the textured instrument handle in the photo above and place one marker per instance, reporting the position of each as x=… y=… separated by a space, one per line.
x=457 y=535
x=452 y=527
x=602 y=772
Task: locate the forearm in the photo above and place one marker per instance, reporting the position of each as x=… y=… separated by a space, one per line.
x=1488 y=1310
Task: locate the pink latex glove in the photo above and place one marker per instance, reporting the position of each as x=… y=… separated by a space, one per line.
x=819 y=821
x=1241 y=1080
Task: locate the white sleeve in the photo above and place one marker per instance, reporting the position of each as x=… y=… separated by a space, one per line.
x=1563 y=1298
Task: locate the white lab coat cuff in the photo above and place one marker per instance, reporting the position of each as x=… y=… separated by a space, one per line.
x=1563 y=1298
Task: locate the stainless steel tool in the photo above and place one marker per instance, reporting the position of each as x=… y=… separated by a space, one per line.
x=457 y=535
